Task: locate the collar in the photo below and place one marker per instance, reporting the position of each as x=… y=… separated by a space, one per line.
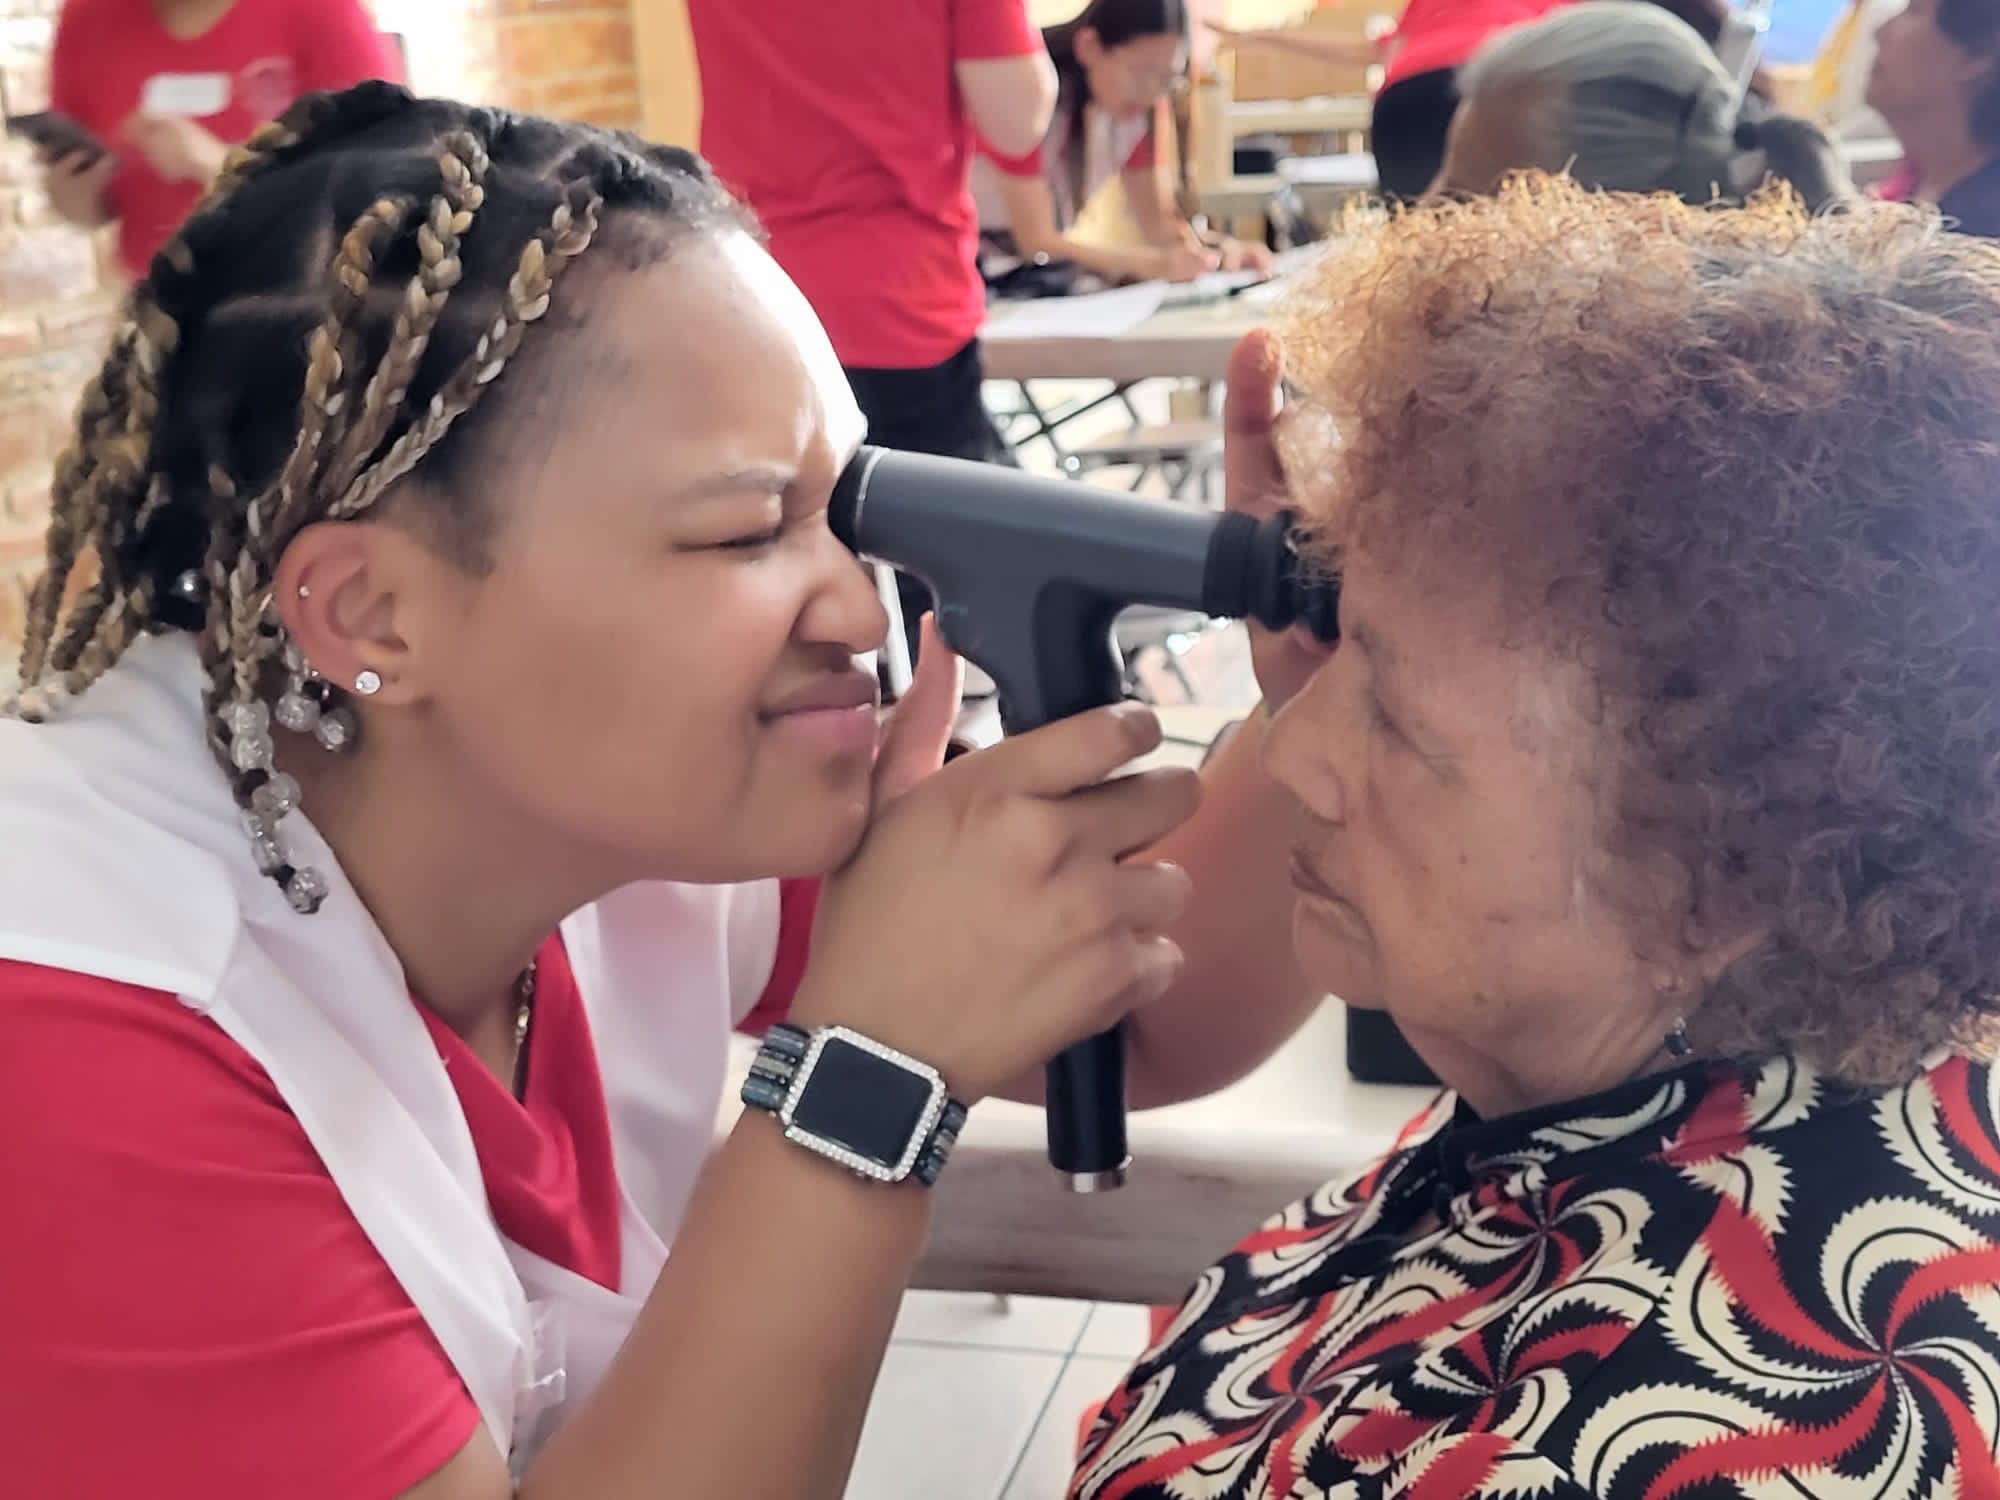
x=1973 y=204
x=1692 y=1113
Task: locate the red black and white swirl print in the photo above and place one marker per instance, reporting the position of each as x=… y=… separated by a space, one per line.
x=1718 y=1283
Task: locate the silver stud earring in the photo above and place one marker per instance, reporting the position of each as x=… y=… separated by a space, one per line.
x=305 y=592
x=368 y=684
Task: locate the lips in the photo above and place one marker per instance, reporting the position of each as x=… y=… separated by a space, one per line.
x=831 y=693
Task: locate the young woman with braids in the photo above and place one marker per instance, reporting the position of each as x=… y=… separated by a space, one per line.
x=470 y=656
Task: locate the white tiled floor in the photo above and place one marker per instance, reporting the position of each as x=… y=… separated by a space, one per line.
x=981 y=1400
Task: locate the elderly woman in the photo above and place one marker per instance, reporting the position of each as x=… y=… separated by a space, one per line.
x=1652 y=790
x=1627 y=98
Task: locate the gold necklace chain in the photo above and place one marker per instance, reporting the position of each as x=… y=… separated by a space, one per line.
x=524 y=1015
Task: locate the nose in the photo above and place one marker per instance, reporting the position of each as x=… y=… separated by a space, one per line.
x=845 y=608
x=1298 y=754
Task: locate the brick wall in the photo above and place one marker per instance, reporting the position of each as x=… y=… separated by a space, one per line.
x=570 y=58
x=54 y=314
x=564 y=57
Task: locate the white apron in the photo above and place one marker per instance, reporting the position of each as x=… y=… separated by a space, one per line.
x=122 y=856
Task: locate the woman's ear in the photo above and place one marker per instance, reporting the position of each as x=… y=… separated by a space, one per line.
x=1089 y=46
x=351 y=596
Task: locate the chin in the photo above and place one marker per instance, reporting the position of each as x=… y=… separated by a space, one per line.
x=821 y=844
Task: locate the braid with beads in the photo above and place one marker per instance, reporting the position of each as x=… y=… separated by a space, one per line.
x=327 y=323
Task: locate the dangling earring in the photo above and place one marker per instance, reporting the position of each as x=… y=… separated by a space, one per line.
x=1678 y=1043
x=298 y=706
x=307 y=705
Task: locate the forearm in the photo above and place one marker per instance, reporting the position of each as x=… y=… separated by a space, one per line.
x=1111 y=262
x=786 y=1271
x=1153 y=210
x=1242 y=993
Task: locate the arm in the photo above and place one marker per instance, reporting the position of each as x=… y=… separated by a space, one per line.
x=1242 y=993
x=1009 y=100
x=1031 y=216
x=785 y=1263
x=1149 y=195
x=1004 y=74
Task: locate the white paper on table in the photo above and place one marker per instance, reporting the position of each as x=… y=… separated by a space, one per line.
x=1090 y=315
x=1345 y=169
x=185 y=96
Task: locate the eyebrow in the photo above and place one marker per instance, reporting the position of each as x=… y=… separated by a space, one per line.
x=765 y=479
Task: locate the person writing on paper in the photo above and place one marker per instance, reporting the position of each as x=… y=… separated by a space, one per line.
x=1118 y=62
x=449 y=753
x=169 y=86
x=1650 y=790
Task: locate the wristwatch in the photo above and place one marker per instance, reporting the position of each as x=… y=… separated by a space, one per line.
x=854 y=1101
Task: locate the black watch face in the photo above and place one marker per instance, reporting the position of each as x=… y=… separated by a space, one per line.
x=861 y=1101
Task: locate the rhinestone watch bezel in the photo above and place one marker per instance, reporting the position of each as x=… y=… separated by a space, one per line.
x=835 y=1151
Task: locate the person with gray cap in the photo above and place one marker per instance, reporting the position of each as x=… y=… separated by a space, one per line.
x=1626 y=98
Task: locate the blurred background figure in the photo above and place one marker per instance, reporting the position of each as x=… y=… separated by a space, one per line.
x=1837 y=88
x=1419 y=94
x=1936 y=81
x=170 y=85
x=848 y=126
x=1627 y=98
x=1118 y=63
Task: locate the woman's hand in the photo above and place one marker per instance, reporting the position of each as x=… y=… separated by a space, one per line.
x=179 y=149
x=76 y=185
x=1180 y=261
x=991 y=917
x=1245 y=255
x=1254 y=483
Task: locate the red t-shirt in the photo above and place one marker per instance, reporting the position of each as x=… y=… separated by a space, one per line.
x=1436 y=34
x=186 y=1303
x=262 y=55
x=840 y=122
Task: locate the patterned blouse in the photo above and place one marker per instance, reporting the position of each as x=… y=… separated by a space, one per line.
x=1725 y=1281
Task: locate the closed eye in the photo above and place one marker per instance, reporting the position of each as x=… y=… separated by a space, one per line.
x=757 y=542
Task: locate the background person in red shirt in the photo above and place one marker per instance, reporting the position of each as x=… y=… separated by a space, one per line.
x=171 y=85
x=848 y=126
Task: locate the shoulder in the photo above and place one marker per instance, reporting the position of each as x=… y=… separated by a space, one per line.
x=184 y=1228
x=1838 y=1302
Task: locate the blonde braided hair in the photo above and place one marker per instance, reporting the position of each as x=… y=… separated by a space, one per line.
x=189 y=510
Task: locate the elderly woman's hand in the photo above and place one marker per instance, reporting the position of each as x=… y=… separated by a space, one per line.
x=1254 y=482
